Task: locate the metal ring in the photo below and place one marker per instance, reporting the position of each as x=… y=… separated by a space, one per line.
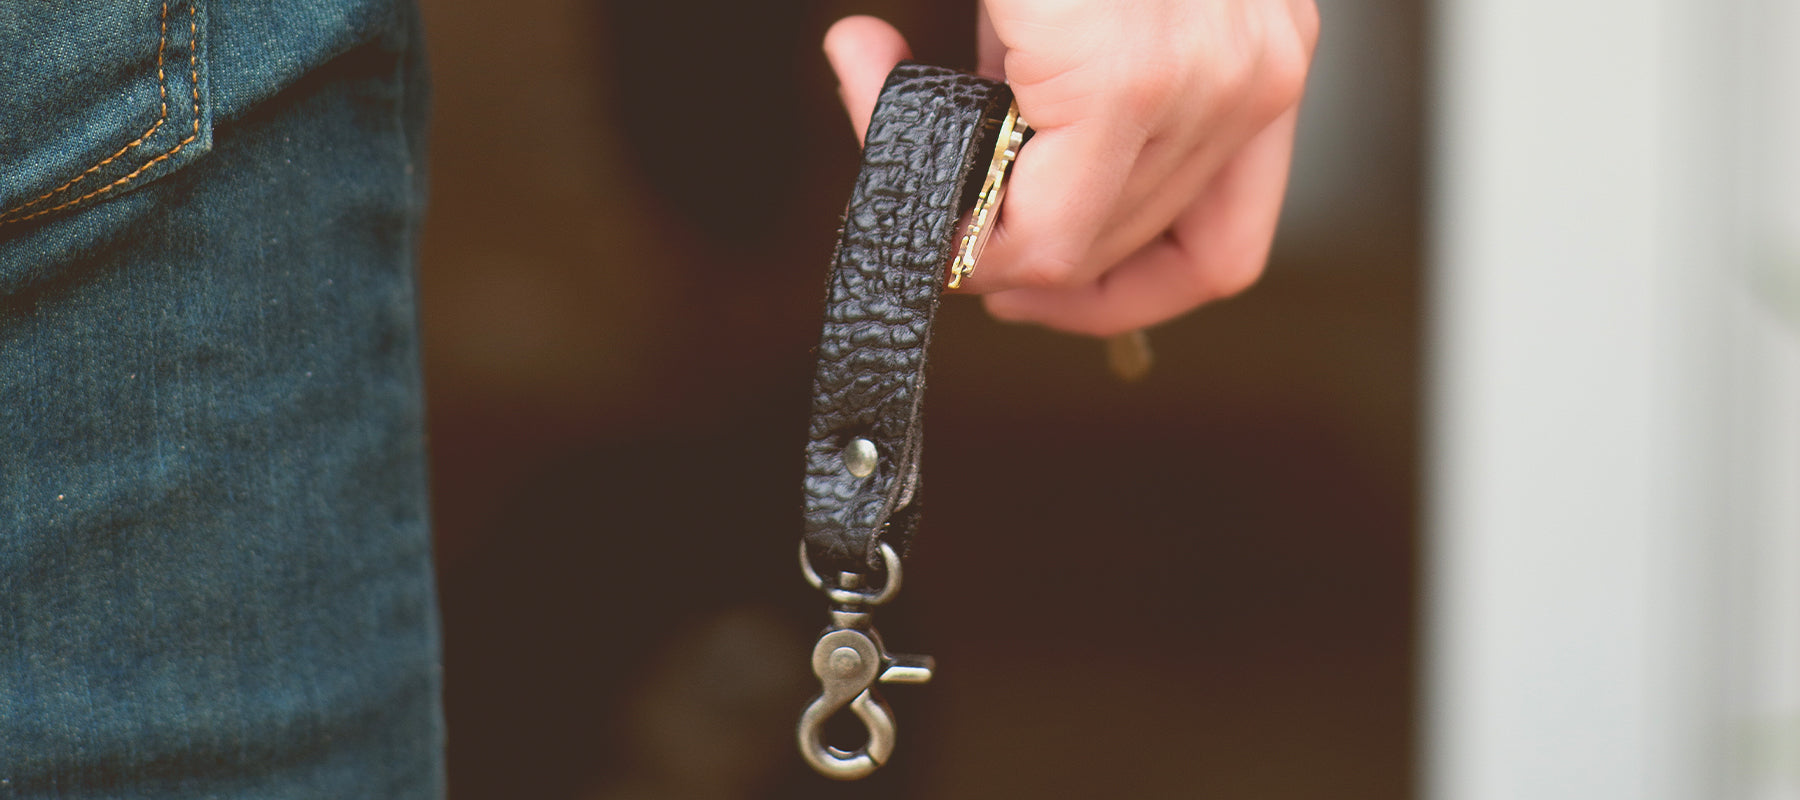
x=889 y=559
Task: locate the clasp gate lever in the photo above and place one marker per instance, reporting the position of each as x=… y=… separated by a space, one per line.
x=849 y=660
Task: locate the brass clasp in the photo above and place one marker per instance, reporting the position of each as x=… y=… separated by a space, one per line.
x=849 y=660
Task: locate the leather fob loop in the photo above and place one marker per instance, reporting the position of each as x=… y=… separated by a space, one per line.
x=927 y=149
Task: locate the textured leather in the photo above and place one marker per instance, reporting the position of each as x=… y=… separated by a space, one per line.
x=925 y=154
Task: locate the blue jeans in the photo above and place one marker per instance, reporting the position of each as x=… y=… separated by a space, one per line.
x=215 y=575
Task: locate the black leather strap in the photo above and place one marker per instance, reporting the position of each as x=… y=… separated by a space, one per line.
x=926 y=151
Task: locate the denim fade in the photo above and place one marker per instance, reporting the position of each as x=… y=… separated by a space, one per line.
x=215 y=565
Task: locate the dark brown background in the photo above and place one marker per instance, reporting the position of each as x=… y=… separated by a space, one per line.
x=1196 y=586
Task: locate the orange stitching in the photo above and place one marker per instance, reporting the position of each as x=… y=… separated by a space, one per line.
x=194 y=79
x=162 y=92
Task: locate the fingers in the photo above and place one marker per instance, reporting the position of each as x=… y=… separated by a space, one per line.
x=990 y=52
x=1306 y=22
x=1061 y=193
x=862 y=51
x=1155 y=178
x=1127 y=136
x=1216 y=248
x=1073 y=173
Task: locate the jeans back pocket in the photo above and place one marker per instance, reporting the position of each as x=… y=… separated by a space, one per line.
x=102 y=96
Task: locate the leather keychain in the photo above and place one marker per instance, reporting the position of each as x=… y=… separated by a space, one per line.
x=938 y=147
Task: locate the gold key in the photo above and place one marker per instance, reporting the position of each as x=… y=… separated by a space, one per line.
x=1128 y=354
x=987 y=205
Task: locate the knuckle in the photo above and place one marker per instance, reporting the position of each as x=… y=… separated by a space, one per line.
x=1032 y=68
x=1306 y=22
x=1229 y=280
x=1045 y=271
x=1233 y=82
x=1148 y=90
x=1290 y=53
x=1286 y=78
x=1223 y=275
x=1267 y=76
x=1008 y=308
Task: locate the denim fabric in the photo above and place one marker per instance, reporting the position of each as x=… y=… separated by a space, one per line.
x=214 y=557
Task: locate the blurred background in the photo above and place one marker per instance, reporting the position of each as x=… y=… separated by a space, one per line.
x=1205 y=584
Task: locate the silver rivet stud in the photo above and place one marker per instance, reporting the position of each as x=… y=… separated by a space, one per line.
x=859 y=457
x=844 y=662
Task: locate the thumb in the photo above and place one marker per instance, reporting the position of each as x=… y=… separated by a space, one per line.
x=862 y=51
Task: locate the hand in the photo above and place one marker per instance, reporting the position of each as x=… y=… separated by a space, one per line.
x=1164 y=129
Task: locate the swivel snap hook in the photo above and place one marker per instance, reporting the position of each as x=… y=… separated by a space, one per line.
x=846 y=662
x=849 y=660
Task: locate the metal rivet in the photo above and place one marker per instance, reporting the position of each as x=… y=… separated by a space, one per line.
x=859 y=457
x=845 y=661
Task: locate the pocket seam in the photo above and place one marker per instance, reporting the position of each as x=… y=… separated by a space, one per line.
x=163 y=95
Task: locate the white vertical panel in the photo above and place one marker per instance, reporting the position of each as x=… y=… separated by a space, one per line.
x=1610 y=534
x=1613 y=554
x=1764 y=700
x=1764 y=711
x=1539 y=498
